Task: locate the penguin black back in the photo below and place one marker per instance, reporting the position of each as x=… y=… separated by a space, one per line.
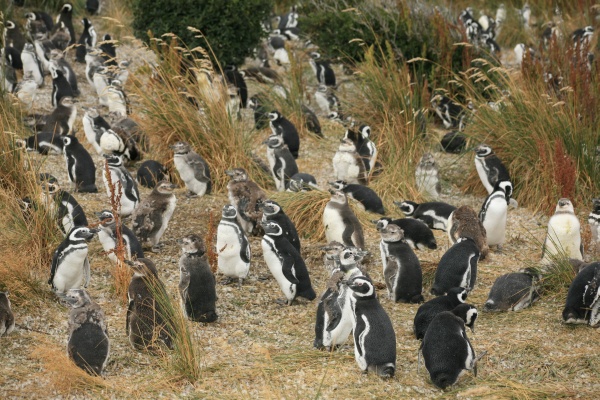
x=363 y=194
x=416 y=233
x=273 y=212
x=457 y=267
x=433 y=307
x=150 y=173
x=80 y=165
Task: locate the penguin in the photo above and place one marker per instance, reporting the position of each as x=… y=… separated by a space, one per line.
x=490 y=168
x=31 y=64
x=365 y=148
x=341 y=225
x=234 y=77
x=7 y=318
x=66 y=17
x=302 y=182
x=245 y=195
x=374 y=335
x=152 y=215
x=58 y=61
x=88 y=344
x=93 y=126
x=93 y=64
x=70 y=264
x=271 y=211
x=363 y=194
x=514 y=291
x=348 y=165
x=493 y=216
x=454 y=142
x=261 y=117
x=109 y=239
x=60 y=86
x=282 y=126
x=451 y=114
x=564 y=234
x=61 y=37
x=457 y=267
x=109 y=51
x=150 y=173
x=401 y=267
x=26 y=91
x=427 y=311
x=62 y=119
x=13 y=36
x=147 y=319
x=88 y=38
x=8 y=76
x=117 y=141
x=594 y=222
x=427 y=177
x=44 y=143
x=464 y=222
x=69 y=213
x=233 y=249
x=286 y=264
x=282 y=57
x=582 y=304
x=447 y=350
x=327 y=101
x=434 y=214
x=331 y=251
x=416 y=233
x=193 y=169
x=311 y=121
x=41 y=16
x=80 y=166
x=101 y=84
x=196 y=281
x=281 y=162
x=117 y=101
x=322 y=69
x=93 y=7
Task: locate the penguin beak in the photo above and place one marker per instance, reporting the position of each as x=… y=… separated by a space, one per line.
x=98 y=214
x=129 y=262
x=265 y=141
x=179 y=241
x=397 y=203
x=229 y=172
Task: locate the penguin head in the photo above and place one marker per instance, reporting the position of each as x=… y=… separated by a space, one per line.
x=106 y=218
x=506 y=187
x=82 y=233
x=192 y=244
x=350 y=255
x=30 y=16
x=78 y=298
x=483 y=150
x=596 y=205
x=338 y=185
x=274 y=141
x=347 y=145
x=407 y=207
x=332 y=249
x=381 y=223
x=365 y=131
x=565 y=205
x=69 y=140
x=362 y=287
x=274 y=116
x=254 y=102
x=272 y=228
x=392 y=233
x=315 y=55
x=142 y=267
x=427 y=160
x=337 y=196
x=164 y=187
x=237 y=174
x=270 y=207
x=468 y=313
x=181 y=147
x=66 y=9
x=458 y=293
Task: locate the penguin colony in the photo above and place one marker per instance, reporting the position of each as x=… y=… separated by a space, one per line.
x=350 y=304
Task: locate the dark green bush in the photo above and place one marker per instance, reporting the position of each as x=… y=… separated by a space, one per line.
x=232 y=27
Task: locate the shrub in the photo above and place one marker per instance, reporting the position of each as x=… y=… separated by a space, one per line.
x=232 y=28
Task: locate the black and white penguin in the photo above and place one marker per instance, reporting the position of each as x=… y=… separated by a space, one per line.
x=117 y=100
x=364 y=146
x=193 y=169
x=490 y=168
x=62 y=119
x=245 y=195
x=93 y=7
x=145 y=321
x=13 y=36
x=41 y=16
x=44 y=143
x=514 y=291
x=374 y=335
x=341 y=224
x=58 y=60
x=434 y=214
x=94 y=125
x=286 y=264
x=88 y=344
x=109 y=50
x=70 y=264
x=7 y=318
x=196 y=281
x=401 y=268
x=66 y=17
x=564 y=234
x=363 y=194
x=80 y=165
x=447 y=350
x=282 y=126
x=594 y=222
x=416 y=233
x=348 y=165
x=328 y=102
x=108 y=237
x=454 y=142
x=583 y=298
x=427 y=311
x=60 y=85
x=261 y=113
x=457 y=267
x=451 y=114
x=31 y=64
x=152 y=215
x=281 y=161
x=273 y=212
x=302 y=182
x=26 y=91
x=427 y=177
x=101 y=83
x=234 y=77
x=493 y=215
x=88 y=38
x=69 y=213
x=150 y=173
x=322 y=69
x=233 y=249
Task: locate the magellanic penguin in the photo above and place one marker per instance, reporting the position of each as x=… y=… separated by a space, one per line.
x=427 y=311
x=69 y=212
x=322 y=69
x=80 y=165
x=365 y=147
x=514 y=291
x=374 y=336
x=31 y=64
x=124 y=187
x=261 y=113
x=62 y=118
x=57 y=58
x=401 y=267
x=280 y=125
x=94 y=125
x=447 y=350
x=452 y=114
x=196 y=281
x=273 y=212
x=464 y=222
x=147 y=320
x=427 y=177
x=416 y=233
x=286 y=264
x=363 y=194
x=44 y=143
x=457 y=267
x=434 y=214
x=26 y=91
x=108 y=237
x=88 y=345
x=490 y=168
x=88 y=38
x=245 y=196
x=348 y=165
x=564 y=234
x=311 y=121
x=493 y=216
x=302 y=182
x=7 y=319
x=70 y=264
x=341 y=225
x=281 y=162
x=192 y=168
x=152 y=215
x=454 y=142
x=583 y=298
x=60 y=85
x=233 y=249
x=150 y=173
x=594 y=222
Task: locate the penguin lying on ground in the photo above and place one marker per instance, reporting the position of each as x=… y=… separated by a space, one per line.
x=583 y=299
x=434 y=214
x=514 y=291
x=427 y=311
x=416 y=233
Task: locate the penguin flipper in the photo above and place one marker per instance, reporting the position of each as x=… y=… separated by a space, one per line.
x=348 y=232
x=55 y=258
x=245 y=252
x=288 y=269
x=334 y=312
x=391 y=273
x=86 y=272
x=199 y=166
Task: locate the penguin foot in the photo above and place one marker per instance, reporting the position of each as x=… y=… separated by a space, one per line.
x=157 y=248
x=284 y=302
x=227 y=281
x=191 y=195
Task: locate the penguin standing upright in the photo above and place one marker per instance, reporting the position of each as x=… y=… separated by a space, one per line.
x=594 y=222
x=583 y=298
x=109 y=50
x=261 y=114
x=192 y=169
x=31 y=64
x=514 y=291
x=427 y=311
x=66 y=17
x=416 y=233
x=273 y=212
x=88 y=345
x=108 y=237
x=94 y=125
x=196 y=282
x=88 y=38
x=62 y=119
x=123 y=184
x=233 y=248
x=282 y=163
x=341 y=225
x=457 y=267
x=401 y=267
x=365 y=147
x=280 y=125
x=69 y=212
x=80 y=165
x=493 y=216
x=427 y=177
x=464 y=222
x=245 y=195
x=374 y=336
x=60 y=85
x=322 y=69
x=7 y=319
x=363 y=194
x=434 y=214
x=152 y=215
x=70 y=264
x=564 y=234
x=150 y=173
x=57 y=58
x=13 y=36
x=348 y=165
x=490 y=168
x=286 y=264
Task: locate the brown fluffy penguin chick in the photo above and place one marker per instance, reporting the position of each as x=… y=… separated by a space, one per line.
x=340 y=222
x=245 y=196
x=152 y=215
x=464 y=222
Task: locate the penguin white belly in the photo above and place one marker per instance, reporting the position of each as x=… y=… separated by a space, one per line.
x=495 y=222
x=165 y=220
x=69 y=274
x=438 y=222
x=127 y=205
x=114 y=178
x=345 y=167
x=334 y=225
x=428 y=182
x=322 y=102
x=483 y=175
x=110 y=142
x=108 y=244
x=90 y=134
x=187 y=175
x=229 y=262
x=274 y=264
x=359 y=345
x=564 y=236
x=384 y=249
